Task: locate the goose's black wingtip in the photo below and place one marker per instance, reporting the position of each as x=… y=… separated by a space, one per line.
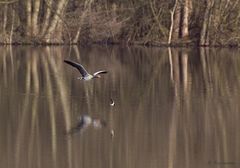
x=66 y=61
x=69 y=62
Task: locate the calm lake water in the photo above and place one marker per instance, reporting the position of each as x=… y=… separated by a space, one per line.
x=175 y=108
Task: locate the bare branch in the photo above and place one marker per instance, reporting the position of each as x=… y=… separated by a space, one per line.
x=8 y=2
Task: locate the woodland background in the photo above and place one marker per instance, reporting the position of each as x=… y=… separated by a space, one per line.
x=148 y=22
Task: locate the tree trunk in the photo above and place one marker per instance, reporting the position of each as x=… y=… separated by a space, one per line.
x=57 y=15
x=172 y=21
x=75 y=40
x=176 y=22
x=190 y=6
x=87 y=8
x=205 y=24
x=5 y=18
x=35 y=14
x=11 y=32
x=185 y=17
x=156 y=18
x=47 y=17
x=28 y=29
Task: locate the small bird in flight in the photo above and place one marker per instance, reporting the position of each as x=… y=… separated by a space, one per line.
x=85 y=75
x=112 y=102
x=112 y=133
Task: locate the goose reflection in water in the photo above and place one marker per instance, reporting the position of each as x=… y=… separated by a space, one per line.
x=86 y=121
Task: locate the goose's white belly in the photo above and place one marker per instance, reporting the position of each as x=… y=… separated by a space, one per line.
x=88 y=77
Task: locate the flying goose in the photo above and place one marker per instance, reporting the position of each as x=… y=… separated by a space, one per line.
x=85 y=75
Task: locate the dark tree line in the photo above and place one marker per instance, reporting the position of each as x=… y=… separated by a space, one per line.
x=156 y=22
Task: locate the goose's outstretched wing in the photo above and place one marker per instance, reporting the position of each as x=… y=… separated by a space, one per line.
x=80 y=68
x=100 y=72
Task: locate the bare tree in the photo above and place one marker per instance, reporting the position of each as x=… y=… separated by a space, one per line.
x=46 y=17
x=176 y=21
x=206 y=21
x=48 y=12
x=172 y=12
x=11 y=32
x=5 y=10
x=28 y=29
x=56 y=17
x=185 y=19
x=35 y=13
x=86 y=9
